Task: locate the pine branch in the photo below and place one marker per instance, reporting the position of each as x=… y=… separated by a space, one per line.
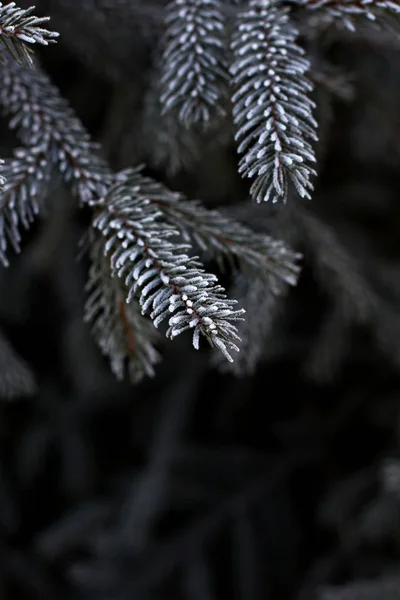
x=170 y=283
x=195 y=67
x=22 y=179
x=19 y=27
x=347 y=12
x=199 y=303
x=53 y=139
x=271 y=108
x=26 y=177
x=43 y=118
x=44 y=121
x=225 y=238
x=118 y=328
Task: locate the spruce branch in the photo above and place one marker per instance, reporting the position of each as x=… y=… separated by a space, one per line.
x=272 y=111
x=121 y=332
x=25 y=181
x=171 y=285
x=347 y=12
x=53 y=140
x=43 y=118
x=194 y=61
x=247 y=251
x=20 y=28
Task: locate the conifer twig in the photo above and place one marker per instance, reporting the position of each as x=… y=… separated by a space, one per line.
x=20 y=28
x=272 y=111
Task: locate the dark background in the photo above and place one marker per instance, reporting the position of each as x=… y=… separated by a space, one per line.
x=198 y=484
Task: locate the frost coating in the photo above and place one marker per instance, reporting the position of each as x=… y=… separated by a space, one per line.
x=272 y=112
x=194 y=60
x=177 y=288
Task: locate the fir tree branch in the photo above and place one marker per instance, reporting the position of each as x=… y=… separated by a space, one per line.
x=195 y=67
x=19 y=27
x=119 y=329
x=53 y=139
x=347 y=12
x=26 y=178
x=182 y=280
x=271 y=108
x=225 y=238
x=170 y=283
x=43 y=118
x=179 y=285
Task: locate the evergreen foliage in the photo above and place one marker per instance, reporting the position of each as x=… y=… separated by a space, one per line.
x=20 y=28
x=275 y=129
x=177 y=145
x=271 y=108
x=195 y=64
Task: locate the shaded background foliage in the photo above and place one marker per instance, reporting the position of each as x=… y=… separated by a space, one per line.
x=281 y=484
